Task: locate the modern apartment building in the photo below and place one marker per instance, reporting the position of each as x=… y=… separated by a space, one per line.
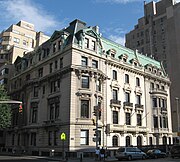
x=76 y=71
x=16 y=41
x=157 y=35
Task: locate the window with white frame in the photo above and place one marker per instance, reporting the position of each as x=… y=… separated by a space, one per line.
x=86 y=43
x=115 y=117
x=93 y=45
x=84 y=137
x=16 y=40
x=139 y=120
x=84 y=108
x=137 y=81
x=138 y=99
x=50 y=138
x=126 y=78
x=128 y=119
x=115 y=94
x=114 y=74
x=94 y=64
x=84 y=61
x=114 y=141
x=85 y=81
x=127 y=97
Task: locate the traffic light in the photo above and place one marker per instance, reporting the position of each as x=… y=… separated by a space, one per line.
x=20 y=108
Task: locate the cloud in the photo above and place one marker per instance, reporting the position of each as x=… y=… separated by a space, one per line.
x=117 y=39
x=16 y=10
x=119 y=1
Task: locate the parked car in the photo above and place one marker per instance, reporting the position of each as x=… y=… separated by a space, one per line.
x=175 y=151
x=130 y=153
x=156 y=153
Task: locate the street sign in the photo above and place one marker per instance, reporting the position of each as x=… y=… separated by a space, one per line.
x=63 y=136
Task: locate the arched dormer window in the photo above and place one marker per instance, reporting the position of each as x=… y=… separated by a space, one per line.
x=123 y=57
x=112 y=52
x=134 y=62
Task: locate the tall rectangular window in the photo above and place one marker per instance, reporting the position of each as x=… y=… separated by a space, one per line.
x=114 y=74
x=85 y=82
x=98 y=85
x=33 y=139
x=139 y=119
x=94 y=64
x=126 y=78
x=115 y=94
x=154 y=101
x=137 y=82
x=115 y=117
x=40 y=72
x=61 y=62
x=56 y=135
x=84 y=108
x=84 y=137
x=152 y=86
x=138 y=99
x=59 y=44
x=155 y=122
x=128 y=119
x=51 y=111
x=93 y=45
x=54 y=47
x=86 y=43
x=50 y=138
x=36 y=89
x=34 y=113
x=84 y=61
x=50 y=68
x=56 y=64
x=127 y=97
x=56 y=110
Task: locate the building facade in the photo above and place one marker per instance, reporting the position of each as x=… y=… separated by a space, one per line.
x=62 y=82
x=16 y=41
x=157 y=35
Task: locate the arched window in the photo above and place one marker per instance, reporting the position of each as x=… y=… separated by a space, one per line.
x=139 y=141
x=128 y=141
x=115 y=141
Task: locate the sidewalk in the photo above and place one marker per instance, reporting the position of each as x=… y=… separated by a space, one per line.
x=109 y=159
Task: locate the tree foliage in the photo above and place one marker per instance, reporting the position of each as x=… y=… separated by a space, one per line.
x=5 y=109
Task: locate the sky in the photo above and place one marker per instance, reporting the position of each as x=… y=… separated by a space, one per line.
x=115 y=18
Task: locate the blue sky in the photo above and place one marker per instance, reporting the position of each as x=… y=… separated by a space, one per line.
x=114 y=17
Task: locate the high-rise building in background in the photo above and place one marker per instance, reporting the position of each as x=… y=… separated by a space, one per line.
x=157 y=35
x=16 y=41
x=74 y=74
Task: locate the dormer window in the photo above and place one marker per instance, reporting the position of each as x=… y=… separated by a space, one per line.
x=134 y=61
x=112 y=55
x=54 y=47
x=86 y=43
x=93 y=45
x=112 y=52
x=124 y=57
x=59 y=44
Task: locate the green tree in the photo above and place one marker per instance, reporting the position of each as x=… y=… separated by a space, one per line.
x=5 y=109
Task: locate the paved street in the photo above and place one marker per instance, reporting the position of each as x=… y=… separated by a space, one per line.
x=55 y=159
